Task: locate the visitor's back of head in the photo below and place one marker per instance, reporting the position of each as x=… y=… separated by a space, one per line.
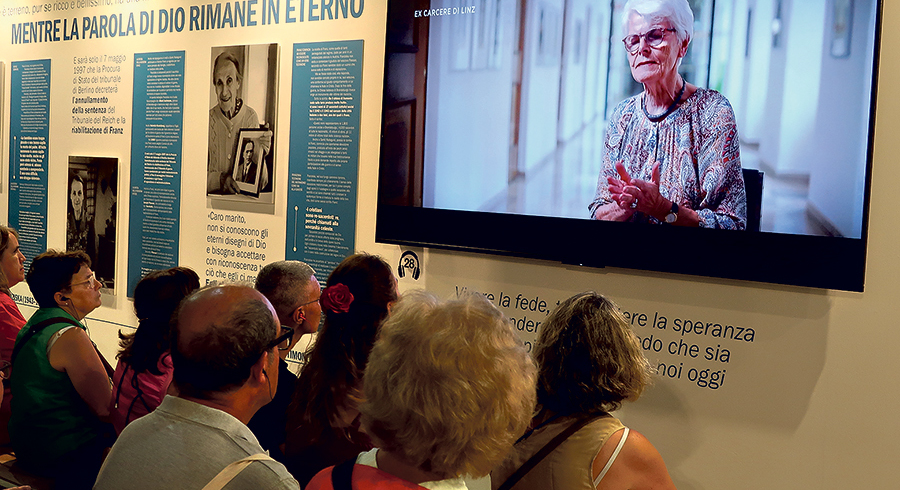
x=156 y=297
x=51 y=272
x=282 y=283
x=449 y=386
x=338 y=357
x=218 y=334
x=588 y=358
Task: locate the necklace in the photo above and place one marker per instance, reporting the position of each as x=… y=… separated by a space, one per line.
x=668 y=111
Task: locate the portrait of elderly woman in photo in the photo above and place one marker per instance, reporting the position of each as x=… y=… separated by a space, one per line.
x=226 y=119
x=672 y=152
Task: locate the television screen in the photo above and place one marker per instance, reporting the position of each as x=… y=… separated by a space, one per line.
x=737 y=145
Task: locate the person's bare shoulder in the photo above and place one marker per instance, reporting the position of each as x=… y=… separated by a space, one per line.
x=638 y=465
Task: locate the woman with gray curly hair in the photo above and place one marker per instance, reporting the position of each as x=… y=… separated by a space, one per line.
x=589 y=361
x=448 y=389
x=672 y=153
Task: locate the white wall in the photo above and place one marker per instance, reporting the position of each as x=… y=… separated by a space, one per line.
x=471 y=165
x=809 y=404
x=757 y=69
x=574 y=78
x=836 y=192
x=539 y=112
x=596 y=60
x=802 y=78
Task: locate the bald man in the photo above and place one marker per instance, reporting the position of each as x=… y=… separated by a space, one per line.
x=225 y=343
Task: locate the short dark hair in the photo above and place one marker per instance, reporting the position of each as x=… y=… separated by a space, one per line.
x=588 y=358
x=52 y=272
x=282 y=283
x=219 y=359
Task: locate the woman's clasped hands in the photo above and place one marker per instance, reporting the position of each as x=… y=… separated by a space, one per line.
x=636 y=194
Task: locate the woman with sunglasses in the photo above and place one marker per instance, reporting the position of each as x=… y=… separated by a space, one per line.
x=61 y=388
x=144 y=370
x=672 y=151
x=12 y=272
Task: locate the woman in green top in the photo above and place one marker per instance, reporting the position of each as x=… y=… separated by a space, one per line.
x=61 y=388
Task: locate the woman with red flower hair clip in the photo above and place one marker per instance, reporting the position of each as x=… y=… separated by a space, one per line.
x=323 y=419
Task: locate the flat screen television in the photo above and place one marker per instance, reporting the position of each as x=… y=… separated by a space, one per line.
x=495 y=115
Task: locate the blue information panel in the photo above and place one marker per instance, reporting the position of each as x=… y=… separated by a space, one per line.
x=29 y=132
x=157 y=132
x=324 y=155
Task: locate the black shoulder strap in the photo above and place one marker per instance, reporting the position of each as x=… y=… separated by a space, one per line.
x=544 y=451
x=35 y=329
x=341 y=475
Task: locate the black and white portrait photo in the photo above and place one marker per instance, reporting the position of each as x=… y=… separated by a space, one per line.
x=243 y=83
x=91 y=213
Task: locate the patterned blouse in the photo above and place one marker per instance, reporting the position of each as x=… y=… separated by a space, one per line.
x=698 y=153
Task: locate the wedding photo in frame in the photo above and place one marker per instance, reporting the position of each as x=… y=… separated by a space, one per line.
x=248 y=161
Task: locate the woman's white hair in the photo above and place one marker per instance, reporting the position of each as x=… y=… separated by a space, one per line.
x=677 y=12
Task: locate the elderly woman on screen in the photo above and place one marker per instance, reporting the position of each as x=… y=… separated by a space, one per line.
x=589 y=362
x=672 y=151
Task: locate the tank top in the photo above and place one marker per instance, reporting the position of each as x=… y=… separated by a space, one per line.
x=568 y=466
x=49 y=418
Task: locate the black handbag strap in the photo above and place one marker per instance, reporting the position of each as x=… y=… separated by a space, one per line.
x=341 y=475
x=36 y=329
x=547 y=449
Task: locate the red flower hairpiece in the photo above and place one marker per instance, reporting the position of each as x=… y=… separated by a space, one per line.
x=336 y=298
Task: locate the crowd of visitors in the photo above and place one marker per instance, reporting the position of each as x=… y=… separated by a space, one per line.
x=396 y=391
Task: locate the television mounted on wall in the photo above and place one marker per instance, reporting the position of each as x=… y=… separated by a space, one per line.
x=496 y=112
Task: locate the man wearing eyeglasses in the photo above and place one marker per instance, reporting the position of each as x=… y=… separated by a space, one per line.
x=292 y=288
x=225 y=342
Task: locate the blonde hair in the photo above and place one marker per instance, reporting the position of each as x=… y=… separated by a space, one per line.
x=588 y=358
x=449 y=386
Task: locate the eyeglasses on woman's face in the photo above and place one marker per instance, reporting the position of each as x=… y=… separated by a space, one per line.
x=654 y=37
x=90 y=282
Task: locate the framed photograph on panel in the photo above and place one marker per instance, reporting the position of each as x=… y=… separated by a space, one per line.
x=91 y=215
x=243 y=95
x=248 y=161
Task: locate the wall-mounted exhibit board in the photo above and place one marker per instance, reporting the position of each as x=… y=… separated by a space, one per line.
x=798 y=390
x=110 y=103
